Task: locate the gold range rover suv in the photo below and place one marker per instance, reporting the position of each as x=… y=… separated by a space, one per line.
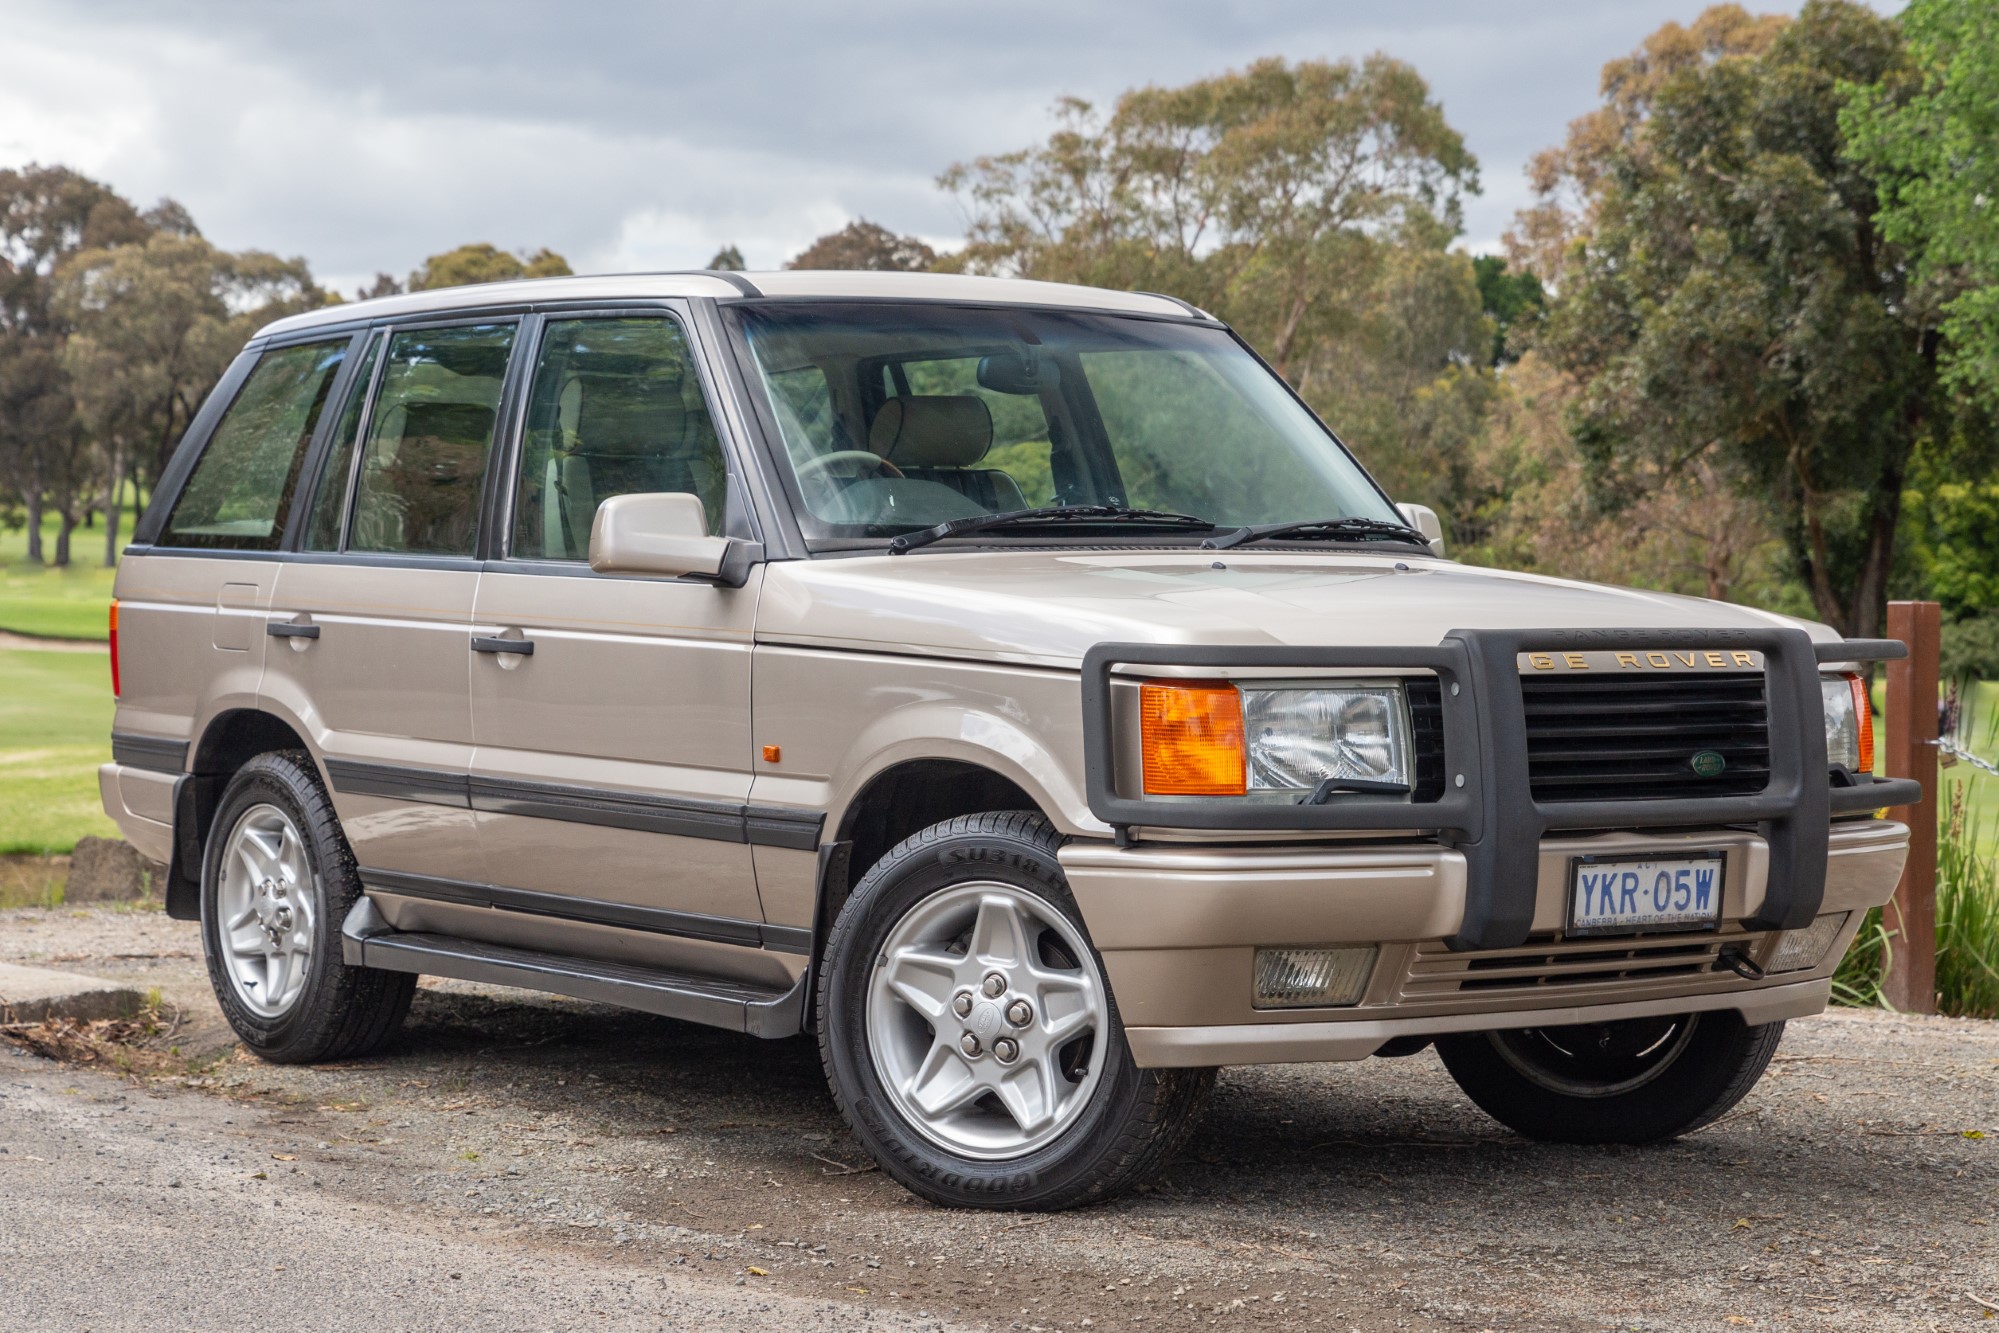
x=1013 y=685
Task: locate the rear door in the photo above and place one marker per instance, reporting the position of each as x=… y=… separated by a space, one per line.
x=192 y=598
x=370 y=622
x=611 y=713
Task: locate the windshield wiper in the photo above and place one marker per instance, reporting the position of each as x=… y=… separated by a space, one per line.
x=1334 y=528
x=958 y=527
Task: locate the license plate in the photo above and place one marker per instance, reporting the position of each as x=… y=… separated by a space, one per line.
x=1629 y=895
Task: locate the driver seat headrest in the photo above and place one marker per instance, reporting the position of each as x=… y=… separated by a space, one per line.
x=941 y=430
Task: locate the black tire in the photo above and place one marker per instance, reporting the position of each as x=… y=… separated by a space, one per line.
x=1133 y=1121
x=340 y=1012
x=1634 y=1082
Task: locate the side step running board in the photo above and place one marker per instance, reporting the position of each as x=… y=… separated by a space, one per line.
x=366 y=940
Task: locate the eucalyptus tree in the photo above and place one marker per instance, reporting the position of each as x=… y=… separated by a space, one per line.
x=47 y=213
x=1727 y=296
x=152 y=328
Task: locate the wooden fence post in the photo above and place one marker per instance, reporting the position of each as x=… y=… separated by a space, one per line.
x=1911 y=717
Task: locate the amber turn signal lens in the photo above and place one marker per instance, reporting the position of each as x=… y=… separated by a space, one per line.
x=114 y=648
x=1192 y=737
x=1863 y=718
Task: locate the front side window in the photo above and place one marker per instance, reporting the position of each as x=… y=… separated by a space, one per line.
x=240 y=493
x=615 y=409
x=429 y=437
x=901 y=416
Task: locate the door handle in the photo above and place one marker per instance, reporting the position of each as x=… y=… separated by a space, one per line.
x=524 y=647
x=287 y=629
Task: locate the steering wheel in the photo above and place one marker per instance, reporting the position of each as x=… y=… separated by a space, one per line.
x=812 y=468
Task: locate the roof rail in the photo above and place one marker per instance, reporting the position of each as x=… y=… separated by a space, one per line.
x=1187 y=306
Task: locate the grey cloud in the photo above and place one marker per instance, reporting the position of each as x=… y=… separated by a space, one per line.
x=366 y=135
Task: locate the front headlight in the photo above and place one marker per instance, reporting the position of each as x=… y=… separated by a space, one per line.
x=1298 y=736
x=1213 y=738
x=1849 y=723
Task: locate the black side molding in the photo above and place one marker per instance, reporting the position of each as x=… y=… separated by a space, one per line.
x=153 y=753
x=597 y=911
x=722 y=821
x=397 y=783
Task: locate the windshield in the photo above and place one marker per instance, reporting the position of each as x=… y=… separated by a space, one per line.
x=897 y=417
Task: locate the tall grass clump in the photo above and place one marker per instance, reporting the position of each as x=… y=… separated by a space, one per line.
x=1967 y=928
x=1967 y=918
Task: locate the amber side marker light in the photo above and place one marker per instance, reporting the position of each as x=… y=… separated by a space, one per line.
x=1191 y=733
x=1863 y=717
x=114 y=648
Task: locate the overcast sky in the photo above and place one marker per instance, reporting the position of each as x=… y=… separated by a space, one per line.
x=369 y=134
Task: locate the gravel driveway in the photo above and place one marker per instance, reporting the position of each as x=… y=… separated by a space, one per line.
x=516 y=1161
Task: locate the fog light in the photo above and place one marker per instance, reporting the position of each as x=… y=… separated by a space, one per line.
x=1801 y=950
x=1311 y=978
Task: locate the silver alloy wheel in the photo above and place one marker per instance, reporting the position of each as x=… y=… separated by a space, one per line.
x=268 y=902
x=979 y=1040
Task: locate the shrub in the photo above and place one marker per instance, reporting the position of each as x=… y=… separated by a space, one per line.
x=1971 y=648
x=1967 y=930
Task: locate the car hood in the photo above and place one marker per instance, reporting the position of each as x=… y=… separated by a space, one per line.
x=1050 y=607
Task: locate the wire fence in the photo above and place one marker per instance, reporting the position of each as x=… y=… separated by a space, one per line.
x=1958 y=739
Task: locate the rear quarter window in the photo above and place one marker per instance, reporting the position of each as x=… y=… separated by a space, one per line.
x=240 y=492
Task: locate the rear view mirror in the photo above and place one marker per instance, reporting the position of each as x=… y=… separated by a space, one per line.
x=1424 y=520
x=665 y=533
x=1023 y=372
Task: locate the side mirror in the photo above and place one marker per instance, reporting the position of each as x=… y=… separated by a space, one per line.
x=664 y=533
x=1420 y=517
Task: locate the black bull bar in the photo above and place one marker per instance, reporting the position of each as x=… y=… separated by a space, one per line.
x=1488 y=811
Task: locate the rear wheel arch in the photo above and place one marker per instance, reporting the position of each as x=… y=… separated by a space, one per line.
x=231 y=739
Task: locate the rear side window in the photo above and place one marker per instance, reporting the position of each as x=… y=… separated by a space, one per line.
x=429 y=437
x=329 y=505
x=241 y=490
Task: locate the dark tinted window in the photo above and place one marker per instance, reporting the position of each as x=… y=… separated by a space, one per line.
x=429 y=437
x=329 y=504
x=615 y=409
x=241 y=490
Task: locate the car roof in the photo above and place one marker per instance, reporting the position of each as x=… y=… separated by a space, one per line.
x=738 y=286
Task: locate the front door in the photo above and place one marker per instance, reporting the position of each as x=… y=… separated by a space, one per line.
x=612 y=714
x=372 y=620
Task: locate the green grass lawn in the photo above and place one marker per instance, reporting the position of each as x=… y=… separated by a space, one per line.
x=55 y=729
x=1981 y=789
x=67 y=603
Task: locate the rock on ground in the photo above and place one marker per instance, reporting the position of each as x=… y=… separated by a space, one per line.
x=111 y=870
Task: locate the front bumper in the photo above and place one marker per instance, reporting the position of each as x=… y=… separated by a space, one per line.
x=1299 y=1043
x=1178 y=927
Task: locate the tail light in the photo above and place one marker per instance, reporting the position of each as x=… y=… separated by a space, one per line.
x=114 y=647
